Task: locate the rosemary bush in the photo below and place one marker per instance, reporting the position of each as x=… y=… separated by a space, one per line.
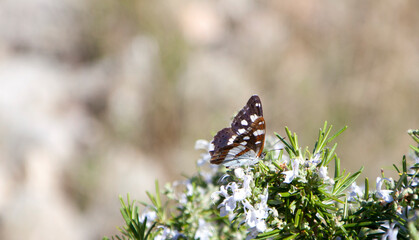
x=287 y=195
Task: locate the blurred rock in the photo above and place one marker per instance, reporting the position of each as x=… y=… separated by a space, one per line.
x=36 y=109
x=201 y=23
x=38 y=209
x=42 y=27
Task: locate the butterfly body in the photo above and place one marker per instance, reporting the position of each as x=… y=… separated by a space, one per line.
x=242 y=143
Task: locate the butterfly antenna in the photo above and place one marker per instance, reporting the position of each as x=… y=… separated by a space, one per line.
x=274 y=149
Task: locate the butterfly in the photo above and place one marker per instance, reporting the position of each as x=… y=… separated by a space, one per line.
x=242 y=143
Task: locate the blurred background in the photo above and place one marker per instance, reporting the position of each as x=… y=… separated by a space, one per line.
x=101 y=97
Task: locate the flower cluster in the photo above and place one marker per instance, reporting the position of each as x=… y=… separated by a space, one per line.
x=288 y=194
x=240 y=193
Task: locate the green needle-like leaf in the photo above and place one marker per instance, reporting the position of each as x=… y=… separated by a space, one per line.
x=367 y=189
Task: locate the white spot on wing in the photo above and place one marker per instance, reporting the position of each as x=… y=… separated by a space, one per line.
x=253 y=117
x=241 y=130
x=257 y=142
x=244 y=143
x=244 y=122
x=257 y=104
x=258 y=132
x=231 y=140
x=211 y=147
x=246 y=138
